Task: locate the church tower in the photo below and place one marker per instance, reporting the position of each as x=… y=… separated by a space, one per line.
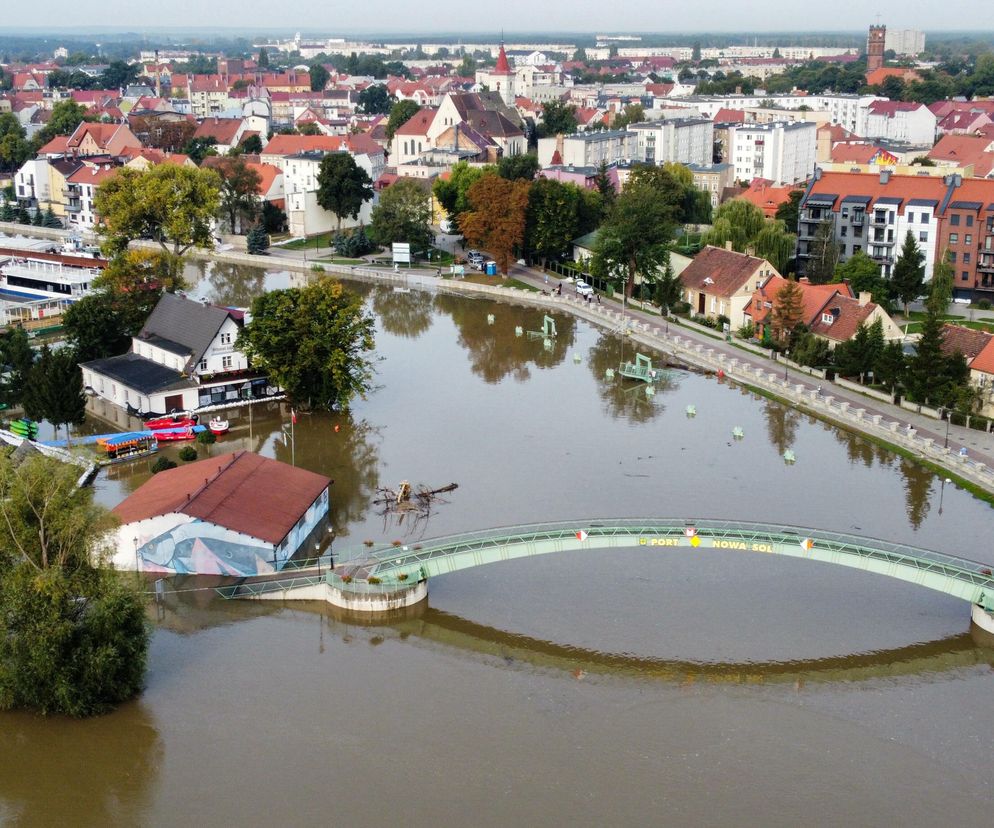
x=875 y=47
x=503 y=77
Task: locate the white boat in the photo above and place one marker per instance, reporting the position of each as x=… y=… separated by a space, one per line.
x=33 y=275
x=218 y=426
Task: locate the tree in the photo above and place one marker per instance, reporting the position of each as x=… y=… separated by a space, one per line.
x=695 y=53
x=119 y=74
x=55 y=389
x=14 y=146
x=403 y=215
x=65 y=117
x=263 y=60
x=941 y=292
x=558 y=118
x=495 y=220
x=251 y=144
x=51 y=220
x=858 y=356
x=515 y=167
x=452 y=194
x=824 y=255
x=75 y=637
x=375 y=99
x=171 y=136
x=580 y=55
x=788 y=311
x=890 y=365
x=908 y=277
x=400 y=113
x=775 y=244
x=273 y=218
x=789 y=212
x=200 y=147
x=239 y=191
x=343 y=186
x=319 y=77
x=96 y=327
x=257 y=241
x=863 y=275
x=308 y=128
x=552 y=220
x=172 y=205
x=631 y=114
x=738 y=221
x=633 y=241
x=925 y=377
x=16 y=358
x=312 y=342
x=605 y=186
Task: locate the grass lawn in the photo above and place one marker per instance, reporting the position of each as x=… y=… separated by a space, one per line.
x=494 y=281
x=340 y=261
x=322 y=240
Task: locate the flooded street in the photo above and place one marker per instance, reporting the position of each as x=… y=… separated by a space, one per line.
x=630 y=687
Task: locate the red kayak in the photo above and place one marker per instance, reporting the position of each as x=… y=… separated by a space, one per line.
x=169 y=422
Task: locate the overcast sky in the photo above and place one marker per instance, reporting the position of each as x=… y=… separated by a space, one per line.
x=400 y=16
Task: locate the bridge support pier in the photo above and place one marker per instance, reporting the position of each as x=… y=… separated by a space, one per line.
x=367 y=601
x=982 y=619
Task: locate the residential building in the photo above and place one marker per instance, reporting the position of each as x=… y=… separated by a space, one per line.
x=873 y=214
x=831 y=312
x=488 y=114
x=905 y=121
x=720 y=282
x=590 y=149
x=81 y=194
x=226 y=132
x=972 y=152
x=236 y=514
x=679 y=140
x=713 y=179
x=183 y=359
x=305 y=216
x=904 y=42
x=767 y=197
x=978 y=350
x=783 y=153
x=966 y=237
x=101 y=139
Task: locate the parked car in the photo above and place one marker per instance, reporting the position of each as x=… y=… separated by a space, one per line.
x=583 y=289
x=961 y=300
x=475 y=256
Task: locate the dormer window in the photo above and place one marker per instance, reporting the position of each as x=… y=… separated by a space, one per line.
x=827 y=318
x=708 y=280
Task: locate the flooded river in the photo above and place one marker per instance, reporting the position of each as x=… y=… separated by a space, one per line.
x=597 y=688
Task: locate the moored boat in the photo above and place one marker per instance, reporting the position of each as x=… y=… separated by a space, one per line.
x=173 y=434
x=218 y=426
x=181 y=421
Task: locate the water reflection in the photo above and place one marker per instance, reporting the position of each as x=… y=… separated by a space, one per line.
x=495 y=350
x=917 y=491
x=623 y=397
x=403 y=313
x=781 y=425
x=100 y=771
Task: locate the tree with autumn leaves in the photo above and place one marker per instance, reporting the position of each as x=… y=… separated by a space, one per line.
x=496 y=216
x=788 y=311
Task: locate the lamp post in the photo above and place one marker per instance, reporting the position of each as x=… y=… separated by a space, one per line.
x=786 y=356
x=137 y=561
x=945 y=443
x=942 y=491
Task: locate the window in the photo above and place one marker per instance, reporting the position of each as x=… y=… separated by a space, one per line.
x=226 y=362
x=925 y=218
x=954 y=238
x=856 y=248
x=226 y=339
x=969 y=221
x=858 y=232
x=845 y=231
x=923 y=236
x=954 y=220
x=952 y=257
x=968 y=238
x=964 y=277
x=911 y=218
x=966 y=258
x=203 y=365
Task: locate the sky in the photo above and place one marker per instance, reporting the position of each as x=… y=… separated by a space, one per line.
x=402 y=16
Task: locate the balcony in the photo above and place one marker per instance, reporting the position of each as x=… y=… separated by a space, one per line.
x=858 y=219
x=879 y=220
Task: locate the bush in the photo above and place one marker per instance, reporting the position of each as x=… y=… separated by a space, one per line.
x=372 y=579
x=257 y=241
x=187 y=453
x=353 y=245
x=162 y=464
x=984 y=304
x=681 y=308
x=206 y=438
x=747 y=331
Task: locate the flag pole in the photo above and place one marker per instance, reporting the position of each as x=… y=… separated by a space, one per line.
x=293 y=439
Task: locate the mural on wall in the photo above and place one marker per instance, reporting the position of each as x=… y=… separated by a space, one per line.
x=203 y=549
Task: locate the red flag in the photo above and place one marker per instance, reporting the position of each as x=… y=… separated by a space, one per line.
x=293 y=416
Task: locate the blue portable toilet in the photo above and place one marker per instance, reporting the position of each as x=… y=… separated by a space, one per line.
x=491 y=268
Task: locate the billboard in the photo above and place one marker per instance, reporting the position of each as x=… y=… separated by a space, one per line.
x=401 y=253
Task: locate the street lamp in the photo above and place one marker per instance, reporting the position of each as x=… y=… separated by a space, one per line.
x=942 y=491
x=786 y=356
x=949 y=417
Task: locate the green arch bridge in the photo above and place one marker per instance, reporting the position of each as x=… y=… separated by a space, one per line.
x=395 y=569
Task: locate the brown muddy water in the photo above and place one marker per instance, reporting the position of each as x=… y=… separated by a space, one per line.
x=598 y=688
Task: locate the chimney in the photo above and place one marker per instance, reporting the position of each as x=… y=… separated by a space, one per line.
x=728 y=245
x=864 y=298
x=750 y=250
x=884 y=176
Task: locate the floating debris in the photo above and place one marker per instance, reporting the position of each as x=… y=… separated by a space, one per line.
x=490 y=319
x=738 y=433
x=518 y=330
x=650 y=391
x=691 y=410
x=609 y=373
x=789 y=458
x=577 y=358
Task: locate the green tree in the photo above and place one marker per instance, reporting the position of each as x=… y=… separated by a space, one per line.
x=75 y=637
x=775 y=244
x=633 y=241
x=863 y=274
x=263 y=60
x=343 y=186
x=239 y=192
x=51 y=220
x=403 y=215
x=496 y=217
x=558 y=118
x=941 y=291
x=273 y=218
x=119 y=74
x=257 y=241
x=251 y=144
x=319 y=77
x=858 y=355
x=605 y=186
x=16 y=358
x=787 y=312
x=553 y=219
x=96 y=326
x=925 y=377
x=908 y=277
x=452 y=194
x=890 y=365
x=14 y=146
x=400 y=113
x=695 y=53
x=65 y=117
x=515 y=167
x=789 y=212
x=809 y=349
x=200 y=147
x=375 y=99
x=175 y=206
x=738 y=221
x=312 y=342
x=631 y=114
x=824 y=250
x=54 y=390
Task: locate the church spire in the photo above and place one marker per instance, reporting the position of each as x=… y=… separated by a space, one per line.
x=502 y=67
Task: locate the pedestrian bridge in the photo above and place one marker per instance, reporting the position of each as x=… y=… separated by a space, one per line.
x=397 y=576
